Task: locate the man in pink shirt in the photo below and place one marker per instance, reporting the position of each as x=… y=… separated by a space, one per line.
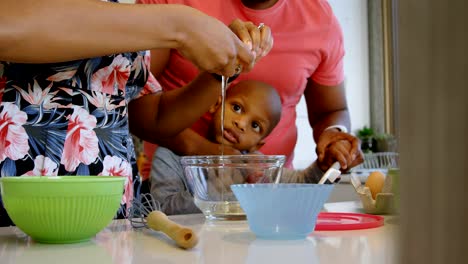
x=306 y=59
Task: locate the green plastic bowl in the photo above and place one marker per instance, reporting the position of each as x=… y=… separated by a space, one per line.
x=63 y=209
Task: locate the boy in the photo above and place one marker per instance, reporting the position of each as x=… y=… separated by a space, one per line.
x=252 y=110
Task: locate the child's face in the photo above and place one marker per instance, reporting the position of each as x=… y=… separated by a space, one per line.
x=247 y=120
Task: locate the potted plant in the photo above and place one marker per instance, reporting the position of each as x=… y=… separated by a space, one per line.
x=366 y=135
x=385 y=143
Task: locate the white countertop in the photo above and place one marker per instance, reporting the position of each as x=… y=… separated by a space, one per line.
x=220 y=243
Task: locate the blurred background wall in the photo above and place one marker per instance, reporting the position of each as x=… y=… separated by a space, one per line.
x=433 y=86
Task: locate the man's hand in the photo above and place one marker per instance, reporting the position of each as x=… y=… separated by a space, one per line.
x=334 y=145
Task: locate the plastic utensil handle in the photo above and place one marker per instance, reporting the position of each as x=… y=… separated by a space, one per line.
x=355 y=181
x=183 y=236
x=336 y=165
x=332 y=173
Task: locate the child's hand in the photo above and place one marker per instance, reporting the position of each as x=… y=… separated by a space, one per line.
x=338 y=146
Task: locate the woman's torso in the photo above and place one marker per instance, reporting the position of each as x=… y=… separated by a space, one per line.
x=71 y=118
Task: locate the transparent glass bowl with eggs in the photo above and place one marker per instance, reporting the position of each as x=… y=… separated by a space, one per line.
x=210 y=178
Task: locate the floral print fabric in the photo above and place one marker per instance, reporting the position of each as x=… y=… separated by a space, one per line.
x=71 y=118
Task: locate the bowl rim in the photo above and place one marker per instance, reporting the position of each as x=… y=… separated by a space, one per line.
x=232 y=156
x=280 y=186
x=62 y=179
x=203 y=159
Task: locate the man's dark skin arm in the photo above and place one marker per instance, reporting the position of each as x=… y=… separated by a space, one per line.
x=327 y=106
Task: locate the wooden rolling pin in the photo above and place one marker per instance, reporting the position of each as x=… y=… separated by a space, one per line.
x=182 y=235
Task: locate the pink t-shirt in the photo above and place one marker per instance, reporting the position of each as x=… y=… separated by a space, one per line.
x=308 y=43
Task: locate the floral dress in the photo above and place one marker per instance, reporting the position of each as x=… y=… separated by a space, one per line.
x=71 y=118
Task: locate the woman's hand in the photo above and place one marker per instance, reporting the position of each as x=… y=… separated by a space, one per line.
x=338 y=146
x=258 y=39
x=210 y=45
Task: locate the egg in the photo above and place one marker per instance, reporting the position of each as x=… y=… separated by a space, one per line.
x=375 y=182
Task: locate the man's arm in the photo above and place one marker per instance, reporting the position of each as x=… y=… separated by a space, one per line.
x=326 y=106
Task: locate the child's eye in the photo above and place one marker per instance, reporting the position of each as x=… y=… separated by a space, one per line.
x=256 y=127
x=236 y=108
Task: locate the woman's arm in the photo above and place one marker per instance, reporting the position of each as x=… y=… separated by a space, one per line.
x=61 y=30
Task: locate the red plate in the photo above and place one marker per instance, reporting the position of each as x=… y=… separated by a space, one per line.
x=347 y=221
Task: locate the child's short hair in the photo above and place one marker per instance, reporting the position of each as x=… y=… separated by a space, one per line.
x=270 y=94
